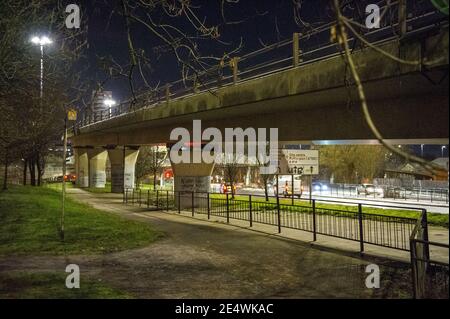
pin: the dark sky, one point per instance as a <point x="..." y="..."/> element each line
<point x="263" y="18"/>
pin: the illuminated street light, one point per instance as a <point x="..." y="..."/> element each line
<point x="421" y="149"/>
<point x="41" y="41"/>
<point x="442" y="150"/>
<point x="109" y="103"/>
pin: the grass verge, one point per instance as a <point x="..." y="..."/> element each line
<point x="51" y="285"/>
<point x="30" y="218"/>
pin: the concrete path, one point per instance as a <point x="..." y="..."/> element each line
<point x="202" y="259"/>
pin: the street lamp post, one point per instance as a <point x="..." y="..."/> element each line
<point x="41" y="41"/>
<point x="442" y="150"/>
<point x="109" y="103"/>
<point x="421" y="149"/>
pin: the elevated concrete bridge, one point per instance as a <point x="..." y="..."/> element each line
<point x="309" y="102"/>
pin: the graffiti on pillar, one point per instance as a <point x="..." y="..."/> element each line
<point x="117" y="182"/>
<point x="193" y="184"/>
<point x="98" y="179"/>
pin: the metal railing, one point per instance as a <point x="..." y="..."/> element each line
<point x="433" y="195"/>
<point x="429" y="277"/>
<point x="301" y="50"/>
<point x="317" y="218"/>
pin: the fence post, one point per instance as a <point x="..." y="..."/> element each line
<point x="148" y="199"/>
<point x="167" y="93"/>
<point x="234" y="64"/>
<point x="361" y="234"/>
<point x="295" y="49"/>
<point x="412" y="247"/>
<point x="179" y="202"/>
<point x="195" y="88"/>
<point x="124" y="196"/>
<point x="402" y="18"/>
<point x="157" y="199"/>
<point x="209" y="208"/>
<point x="228" y="209"/>
<point x="278" y="213"/>
<point x="193" y="208"/>
<point x="425" y="235"/>
<point x="140" y="197"/>
<point x="167" y="200"/>
<point x="250" y="209"/>
<point x="314" y="220"/>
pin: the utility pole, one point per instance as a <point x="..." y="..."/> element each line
<point x="70" y="115"/>
<point x="64" y="179"/>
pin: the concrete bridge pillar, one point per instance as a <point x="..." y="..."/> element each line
<point x="97" y="167"/>
<point x="123" y="162"/>
<point x="81" y="167"/>
<point x="192" y="177"/>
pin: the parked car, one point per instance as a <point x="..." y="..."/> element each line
<point x="369" y="189"/>
<point x="72" y="178"/>
<point x="395" y="192"/>
<point x="319" y="186"/>
<point x="225" y="188"/>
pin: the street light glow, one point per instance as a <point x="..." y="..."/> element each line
<point x="109" y="102"/>
<point x="44" y="40"/>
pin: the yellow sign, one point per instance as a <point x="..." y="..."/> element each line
<point x="72" y="115"/>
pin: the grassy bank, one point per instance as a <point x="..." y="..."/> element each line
<point x="51" y="285"/>
<point x="30" y="217"/>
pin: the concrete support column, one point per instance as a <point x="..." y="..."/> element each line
<point x="81" y="167"/>
<point x="97" y="167"/>
<point x="192" y="177"/>
<point x="248" y="175"/>
<point x="123" y="162"/>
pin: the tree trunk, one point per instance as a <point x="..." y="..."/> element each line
<point x="154" y="180"/>
<point x="5" y="181"/>
<point x="39" y="169"/>
<point x="32" y="168"/>
<point x="266" y="191"/>
<point x="25" y="168"/>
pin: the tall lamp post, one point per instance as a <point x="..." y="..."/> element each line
<point x="109" y="103"/>
<point x="442" y="150"/>
<point x="41" y="41"/>
<point x="421" y="149"/>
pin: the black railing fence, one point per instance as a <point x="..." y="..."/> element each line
<point x="429" y="277"/>
<point x="344" y="223"/>
<point x="433" y="195"/>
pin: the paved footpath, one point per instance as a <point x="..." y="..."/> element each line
<point x="203" y="259"/>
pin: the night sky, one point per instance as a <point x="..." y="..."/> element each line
<point x="266" y="21"/>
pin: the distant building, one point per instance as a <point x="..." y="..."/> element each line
<point x="415" y="171"/>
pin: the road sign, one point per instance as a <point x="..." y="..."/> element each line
<point x="299" y="162"/>
<point x="71" y="115"/>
